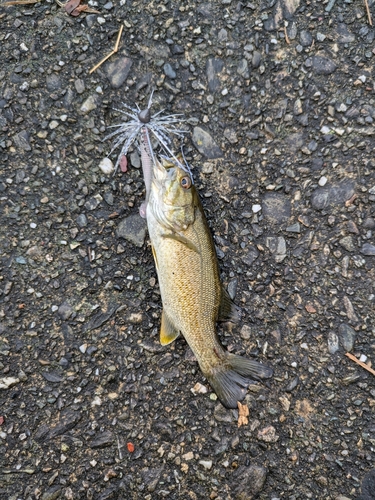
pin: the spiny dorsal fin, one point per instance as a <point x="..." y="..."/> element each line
<point x="228" y="310"/>
<point x="168" y="332"/>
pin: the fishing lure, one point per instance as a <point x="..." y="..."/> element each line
<point x="140" y="128"/>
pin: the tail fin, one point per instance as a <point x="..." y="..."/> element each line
<point x="231" y="379"/>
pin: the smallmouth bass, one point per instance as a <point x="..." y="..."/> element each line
<point x="188" y="272"/>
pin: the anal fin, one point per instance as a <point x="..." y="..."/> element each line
<point x="168" y="332"/>
<point x="228" y="310"/>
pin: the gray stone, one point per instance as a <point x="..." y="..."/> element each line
<point x="305" y="38"/>
<point x="222" y="36"/>
<point x="135" y="159"/>
<point x="169" y="71"/>
<point x="89" y="104"/>
<point x="292" y="30"/>
<point x="249" y="482"/>
<point x="251" y="255"/>
<point x="53" y="82"/>
<point x="65" y="310"/>
<point x="231" y="135"/>
<point x="205" y="144"/>
<point x="79" y="85"/>
<point x="343" y="35"/>
<point x="108" y="197"/>
<point x="295" y="141"/>
<point x="243" y="68"/>
<point x="52" y="493"/>
<point x="369" y="223"/>
<point x="151" y="477"/>
<point x="367" y="249"/>
<point x="213" y="68"/>
<point x="333" y="343"/>
<point x="347" y="243"/>
<point x="81" y="220"/>
<point x="222" y="414"/>
<point x="132" y="229"/>
<point x="277" y="246"/>
<point x="368" y="486"/>
<point x="257" y="59"/>
<point x="276" y="208"/>
<point x="53" y="377"/>
<point x="347" y="336"/>
<point x="284" y="9"/>
<point x="333" y="195"/>
<point x="232" y="288"/>
<point x="294" y="228"/>
<point x="91" y="203"/>
<point x="117" y="71"/>
<point x="21" y="140"/>
<point x="102" y="440"/>
<point x="323" y="65"/>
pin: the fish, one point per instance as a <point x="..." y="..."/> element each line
<point x="192" y="295"/>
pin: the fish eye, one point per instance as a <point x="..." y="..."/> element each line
<point x="185" y="182"/>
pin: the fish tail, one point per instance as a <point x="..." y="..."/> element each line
<point x="231" y="378"/>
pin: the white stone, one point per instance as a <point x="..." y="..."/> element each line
<point x="325" y="130"/>
<point x="207" y="464"/>
<point x="322" y="181"/>
<point x="256" y="208"/>
<point x="106" y="166"/>
<point x="83" y="348"/>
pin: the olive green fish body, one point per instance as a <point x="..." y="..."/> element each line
<point x="188" y="273"/>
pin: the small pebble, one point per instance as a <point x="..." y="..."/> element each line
<point x="106" y="166"/>
<point x="322" y="181"/>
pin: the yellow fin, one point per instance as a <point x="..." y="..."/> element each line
<point x="168" y="332"/>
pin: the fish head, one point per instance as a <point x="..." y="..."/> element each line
<point x="174" y="197"/>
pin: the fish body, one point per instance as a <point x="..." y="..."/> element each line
<point x="192" y="295"/>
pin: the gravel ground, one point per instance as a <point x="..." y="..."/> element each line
<point x="280" y="104"/>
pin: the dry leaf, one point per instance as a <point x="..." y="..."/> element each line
<point x="243" y="413"/>
<point x="71" y="6"/>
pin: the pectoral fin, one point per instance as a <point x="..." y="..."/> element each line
<point x="228" y="310"/>
<point x="182" y="239"/>
<point x="154" y="254"/>
<point x="168" y="332"/>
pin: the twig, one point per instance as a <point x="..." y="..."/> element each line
<point x="115" y="49"/>
<point x="353" y="358"/>
<point x="118" y="39"/>
<point x="368" y="13"/>
<point x="18" y="2"/>
<point x="286" y="36"/>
